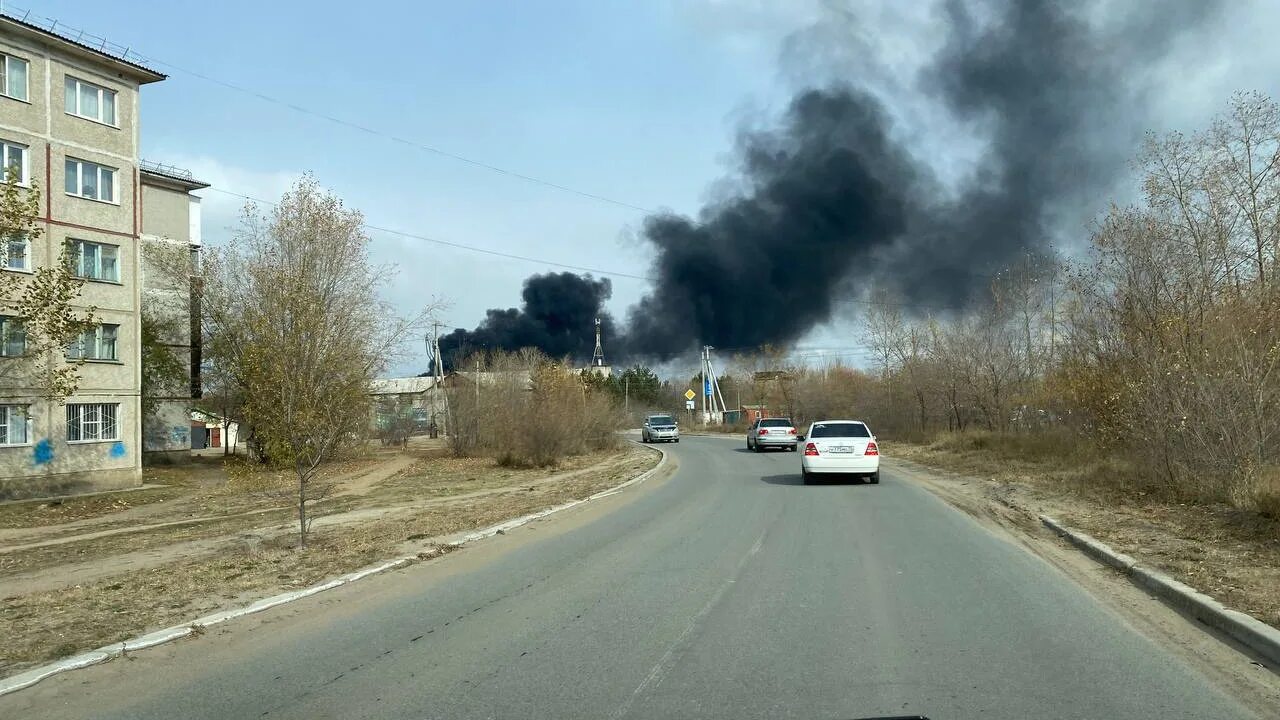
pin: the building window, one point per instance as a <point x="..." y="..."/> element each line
<point x="14" y="420"/>
<point x="95" y="261"/>
<point x="13" y="337"/>
<point x="14" y="156"/>
<point x="92" y="421"/>
<point x="13" y="77"/>
<point x="90" y="180"/>
<point x="97" y="343"/>
<point x="16" y="255"/>
<point x="91" y="101"/>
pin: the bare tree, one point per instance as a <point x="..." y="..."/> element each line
<point x="1175" y="327"/>
<point x="293" y="303"/>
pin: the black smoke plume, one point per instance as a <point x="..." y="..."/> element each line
<point x="558" y="317"/>
<point x="833" y="199"/>
<point x="825" y="190"/>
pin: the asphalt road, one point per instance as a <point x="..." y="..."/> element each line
<point x="729" y="590"/>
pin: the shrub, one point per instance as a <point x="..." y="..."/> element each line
<point x="525" y="410"/>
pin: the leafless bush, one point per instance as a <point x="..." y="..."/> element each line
<point x="1175" y="333"/>
<point x="1162" y="346"/>
<point x="525" y="410"/>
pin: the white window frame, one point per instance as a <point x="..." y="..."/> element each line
<point x="95" y="274"/>
<point x="15" y="416"/>
<point x="9" y="327"/>
<point x="102" y="92"/>
<point x="93" y="422"/>
<point x="6" y="89"/>
<point x="89" y="345"/>
<point x="80" y="166"/>
<point x="6" y="249"/>
<point x="7" y="149"/>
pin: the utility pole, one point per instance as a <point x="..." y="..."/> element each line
<point x="626" y="394"/>
<point x="715" y="384"/>
<point x="438" y="374"/>
<point x="1053" y="308"/>
<point x="703" y="390"/>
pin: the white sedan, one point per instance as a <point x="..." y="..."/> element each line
<point x="840" y="447"/>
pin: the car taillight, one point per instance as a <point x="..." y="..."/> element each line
<point x="872" y="449"/>
<point x="792" y="431"/>
<point x="810" y="449"/>
<point x="763" y="432"/>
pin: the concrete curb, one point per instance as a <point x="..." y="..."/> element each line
<point x="24" y="680"/>
<point x="1245" y="629"/>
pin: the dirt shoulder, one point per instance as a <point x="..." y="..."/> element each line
<point x="202" y="568"/>
<point x="1229" y="554"/>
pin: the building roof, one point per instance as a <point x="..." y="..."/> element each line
<point x="401" y="386"/>
<point x="76" y="42"/>
<point x="207" y="417"/>
<point x="168" y="176"/>
<point x="524" y="377"/>
<point x="765" y="375"/>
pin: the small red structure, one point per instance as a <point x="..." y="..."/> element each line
<point x="750" y="413"/>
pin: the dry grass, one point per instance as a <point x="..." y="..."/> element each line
<point x="1229" y="553"/>
<point x="44" y="626"/>
<point x="39" y="513"/>
<point x="444" y="475"/>
<point x="1057" y="461"/>
<point x="24" y="561"/>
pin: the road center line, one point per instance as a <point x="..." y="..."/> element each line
<point x="664" y="663"/>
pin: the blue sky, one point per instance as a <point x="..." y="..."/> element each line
<point x="634" y="101"/>
<point x="637" y="101"/>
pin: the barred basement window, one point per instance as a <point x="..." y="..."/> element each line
<point x="92" y="421"/>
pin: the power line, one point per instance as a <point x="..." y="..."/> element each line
<point x="460" y="246"/>
<point x="133" y="56"/>
<point x="396" y="138"/>
<point x="52" y="25"/>
<point x="579" y="268"/>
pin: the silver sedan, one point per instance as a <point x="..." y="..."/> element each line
<point x="772" y="432"/>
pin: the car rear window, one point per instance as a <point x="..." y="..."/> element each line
<point x="661" y="420"/>
<point x="775" y="422"/>
<point x="831" y="430"/>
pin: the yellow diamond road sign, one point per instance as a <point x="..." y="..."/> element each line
<point x="689" y="395"/>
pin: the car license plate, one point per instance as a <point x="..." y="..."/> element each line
<point x="840" y="449"/>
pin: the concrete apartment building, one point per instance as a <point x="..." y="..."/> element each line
<point x="69" y="119"/>
<point x="170" y="235"/>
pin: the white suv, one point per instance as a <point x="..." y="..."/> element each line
<point x="840" y="447"/>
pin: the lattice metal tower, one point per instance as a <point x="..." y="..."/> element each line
<point x="597" y="359"/>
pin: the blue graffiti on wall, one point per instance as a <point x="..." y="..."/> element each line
<point x="42" y="453"/>
<point x="117" y="449"/>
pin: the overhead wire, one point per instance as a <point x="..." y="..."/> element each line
<point x="556" y="263"/>
<point x="150" y="60"/>
<point x="398" y="139"/>
<point x="462" y="246"/>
